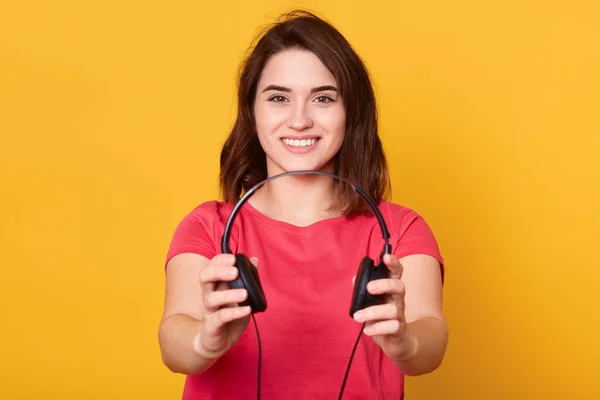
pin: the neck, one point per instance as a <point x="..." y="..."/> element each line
<point x="299" y="200"/>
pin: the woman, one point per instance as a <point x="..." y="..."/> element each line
<point x="305" y="102"/>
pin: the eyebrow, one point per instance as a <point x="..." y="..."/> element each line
<point x="313" y="90"/>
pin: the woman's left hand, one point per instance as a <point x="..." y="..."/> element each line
<point x="386" y="322"/>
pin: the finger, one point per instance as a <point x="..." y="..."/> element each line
<point x="353" y="280"/>
<point x="394" y="287"/>
<point x="212" y="278"/>
<point x="219" y="319"/>
<point x="380" y="312"/>
<point x="225" y="259"/>
<point x="217" y="299"/>
<point x="388" y="327"/>
<point x="213" y="273"/>
<point x="218" y="260"/>
<point x="393" y="264"/>
<point x="254" y="261"/>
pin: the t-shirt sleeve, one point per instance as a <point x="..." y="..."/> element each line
<point x="416" y="237"/>
<point x="195" y="233"/>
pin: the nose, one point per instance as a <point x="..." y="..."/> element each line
<point x="299" y="118"/>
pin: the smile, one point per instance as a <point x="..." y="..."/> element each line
<point x="300" y="142"/>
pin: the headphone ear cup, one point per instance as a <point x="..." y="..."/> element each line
<point x="248" y="279"/>
<point x="367" y="272"/>
<point x="359" y="293"/>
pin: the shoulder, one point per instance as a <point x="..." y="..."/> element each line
<point x="200" y="229"/>
<point x="399" y="217"/>
<point x="409" y="231"/>
<point x="209" y="212"/>
<point x="206" y="219"/>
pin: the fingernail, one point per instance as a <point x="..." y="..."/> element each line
<point x="359" y="315"/>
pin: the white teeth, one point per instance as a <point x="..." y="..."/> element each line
<point x="299" y="143"/>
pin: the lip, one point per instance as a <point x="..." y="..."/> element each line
<point x="304" y="137"/>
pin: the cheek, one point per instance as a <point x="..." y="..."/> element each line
<point x="337" y="124"/>
<point x="267" y="120"/>
<point x="259" y="119"/>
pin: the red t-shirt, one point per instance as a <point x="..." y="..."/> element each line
<point x="307" y="334"/>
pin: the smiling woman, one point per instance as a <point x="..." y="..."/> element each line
<point x="303" y="80"/>
<point x="305" y="102"/>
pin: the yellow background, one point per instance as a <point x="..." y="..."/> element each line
<point x="112" y="114"/>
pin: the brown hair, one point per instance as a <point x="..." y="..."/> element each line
<point x="360" y="159"/>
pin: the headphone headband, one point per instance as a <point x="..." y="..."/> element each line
<point x="387" y="249"/>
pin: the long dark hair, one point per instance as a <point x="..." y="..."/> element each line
<point x="360" y="159"/>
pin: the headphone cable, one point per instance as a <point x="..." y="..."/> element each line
<point x="347" y="368"/>
<point x="350" y="361"/>
<point x="259" y="357"/>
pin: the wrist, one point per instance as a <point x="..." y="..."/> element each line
<point x="409" y="350"/>
<point x="422" y="347"/>
<point x="201" y="351"/>
<point x="413" y="349"/>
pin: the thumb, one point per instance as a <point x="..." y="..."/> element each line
<point x="254" y="261"/>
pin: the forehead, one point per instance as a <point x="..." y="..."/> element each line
<point x="296" y="68"/>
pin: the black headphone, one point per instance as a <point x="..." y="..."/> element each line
<point x="248" y="275"/>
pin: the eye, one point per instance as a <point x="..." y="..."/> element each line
<point x="324" y="99"/>
<point x="277" y="98"/>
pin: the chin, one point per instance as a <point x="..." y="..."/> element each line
<point x="288" y="166"/>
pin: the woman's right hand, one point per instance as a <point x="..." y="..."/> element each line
<point x="223" y="320"/>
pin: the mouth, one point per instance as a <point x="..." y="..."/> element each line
<point x="300" y="142"/>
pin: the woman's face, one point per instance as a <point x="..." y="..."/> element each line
<point x="299" y="113"/>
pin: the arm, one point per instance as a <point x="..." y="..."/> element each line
<point x="424" y="314"/>
<point x="182" y="317"/>
<point x="409" y="325"/>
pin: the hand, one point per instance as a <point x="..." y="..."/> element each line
<point x="386" y="322"/>
<point x="224" y="320"/>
